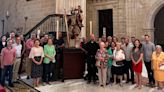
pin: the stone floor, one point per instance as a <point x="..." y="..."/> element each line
<point x="79" y="85"/>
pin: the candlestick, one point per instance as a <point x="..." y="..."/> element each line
<point x="7" y="15"/>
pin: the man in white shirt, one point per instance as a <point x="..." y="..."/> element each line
<point x="18" y="47"/>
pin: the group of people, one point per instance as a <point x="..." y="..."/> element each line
<point x="114" y="61"/>
<point x="109" y="60"/>
<point x="36" y="58"/>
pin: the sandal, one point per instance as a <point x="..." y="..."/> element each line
<point x="121" y="85"/>
<point x="136" y="86"/>
<point x="139" y="87"/>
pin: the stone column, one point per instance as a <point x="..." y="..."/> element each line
<point x="83" y="6"/>
<point x="121" y="19"/>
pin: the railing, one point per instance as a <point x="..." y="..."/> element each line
<point x="48" y="24"/>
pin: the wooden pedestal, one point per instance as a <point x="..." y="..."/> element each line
<point x="74" y="64"/>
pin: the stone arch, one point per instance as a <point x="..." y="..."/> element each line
<point x="152" y="12"/>
<point x="149" y="19"/>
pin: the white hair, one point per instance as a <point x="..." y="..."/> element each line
<point x="158" y="46"/>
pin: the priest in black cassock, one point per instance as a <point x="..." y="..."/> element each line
<point x="91" y="47"/>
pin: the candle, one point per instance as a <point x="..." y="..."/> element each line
<point x="90" y="24"/>
<point x="104" y="31"/>
<point x="57" y="29"/>
<point x="38" y="34"/>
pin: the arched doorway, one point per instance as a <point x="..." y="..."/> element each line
<point x="159" y="27"/>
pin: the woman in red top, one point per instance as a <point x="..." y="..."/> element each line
<point x="137" y="56"/>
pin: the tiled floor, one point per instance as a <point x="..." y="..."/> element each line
<point x="81" y="86"/>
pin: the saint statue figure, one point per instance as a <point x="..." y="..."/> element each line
<point x="75" y="22"/>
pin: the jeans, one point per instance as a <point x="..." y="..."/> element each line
<point x="46" y="72"/>
<point x="1" y="76"/>
<point x="8" y="70"/>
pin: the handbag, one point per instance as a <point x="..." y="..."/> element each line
<point x="161" y="67"/>
<point x="120" y="62"/>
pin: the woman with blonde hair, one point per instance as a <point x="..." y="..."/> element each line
<point x="158" y="66"/>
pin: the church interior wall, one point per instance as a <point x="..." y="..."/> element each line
<point x="130" y="17"/>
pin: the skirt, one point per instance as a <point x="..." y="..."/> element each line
<point x="137" y="68"/>
<point x="158" y="75"/>
<point x="36" y="70"/>
<point x="117" y="70"/>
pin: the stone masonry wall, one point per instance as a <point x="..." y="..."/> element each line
<point x="130" y="17"/>
<point x="35" y="10"/>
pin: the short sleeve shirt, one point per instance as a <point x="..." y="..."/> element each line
<point x="136" y="54"/>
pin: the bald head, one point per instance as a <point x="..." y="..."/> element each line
<point x="102" y="45"/>
<point x="92" y="36"/>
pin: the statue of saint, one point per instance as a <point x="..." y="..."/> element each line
<point x="75" y="22"/>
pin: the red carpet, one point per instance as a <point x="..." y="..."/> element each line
<point x="2" y="89"/>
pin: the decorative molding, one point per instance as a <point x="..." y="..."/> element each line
<point x="105" y="3"/>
